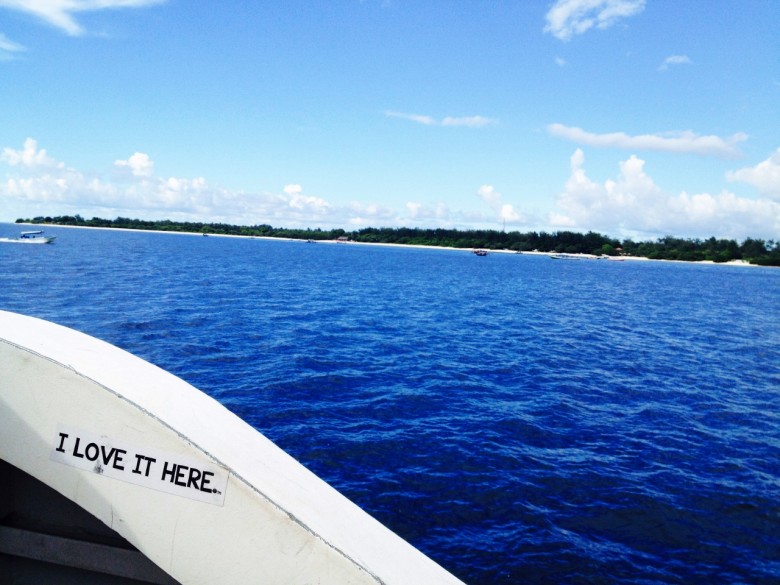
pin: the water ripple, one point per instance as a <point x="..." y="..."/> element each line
<point x="518" y="419"/>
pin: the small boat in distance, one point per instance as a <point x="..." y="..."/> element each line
<point x="481" y="252"/>
<point x="561" y="256"/>
<point x="30" y="237"/>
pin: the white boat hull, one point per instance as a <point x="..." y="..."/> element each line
<point x="43" y="240"/>
<point x="198" y="491"/>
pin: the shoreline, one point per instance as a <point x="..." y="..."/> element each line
<point x="413" y="246"/>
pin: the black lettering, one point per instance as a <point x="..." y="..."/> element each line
<point x="205" y="482"/>
<point x="93" y="449"/>
<point x="180" y="473"/>
<point x="76" y="449"/>
<point x="114" y="454"/>
<point x="192" y="481"/>
<point x="107" y="456"/>
<point x="149" y="461"/>
<point x="171" y="471"/>
<point x="63" y="436"/>
<point x="138" y="459"/>
<point x="118" y="457"/>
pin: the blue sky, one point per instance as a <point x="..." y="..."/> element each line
<point x="634" y="118"/>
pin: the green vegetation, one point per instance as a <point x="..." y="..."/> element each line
<point x="755" y="251"/>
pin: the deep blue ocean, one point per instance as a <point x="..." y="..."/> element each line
<point x="517" y="418"/>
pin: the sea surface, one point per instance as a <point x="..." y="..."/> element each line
<point x="517" y="418"/>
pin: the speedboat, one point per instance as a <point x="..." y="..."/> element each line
<point x="30" y="237"/>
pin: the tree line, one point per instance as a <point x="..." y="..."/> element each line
<point x="753" y="250"/>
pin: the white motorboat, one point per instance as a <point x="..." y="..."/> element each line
<point x="111" y="466"/>
<point x="30" y="237"/>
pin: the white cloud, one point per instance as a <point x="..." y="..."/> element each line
<point x="371" y="215"/>
<point x="8" y="48"/>
<point x="468" y="121"/>
<point x="489" y="195"/>
<point x="505" y="212"/>
<point x="508" y="213"/>
<point x="140" y="165"/>
<point x="295" y="204"/>
<point x="418" y="211"/>
<point x="420" y="119"/>
<point x="307" y="204"/>
<point x="39" y="179"/>
<point x="37" y="184"/>
<point x="567" y="18"/>
<point x="29" y="156"/>
<point x="765" y="176"/>
<point x="674" y="60"/>
<point x="633" y="203"/>
<point x="682" y="142"/>
<point x="292" y="189"/>
<point x="371" y="210"/>
<point x="34" y="183"/>
<point x="61" y="13"/>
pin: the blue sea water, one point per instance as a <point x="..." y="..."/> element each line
<point x="520" y="420"/>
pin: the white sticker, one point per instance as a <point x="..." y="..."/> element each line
<point x="148" y="467"/>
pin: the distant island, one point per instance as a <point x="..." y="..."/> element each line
<point x="752" y="250"/>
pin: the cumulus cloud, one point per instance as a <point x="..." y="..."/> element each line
<point x="681" y="142"/>
<point x="567" y="18"/>
<point x="293" y="189"/>
<point x="489" y="195"/>
<point x="505" y="212"/>
<point x="765" y="176"/>
<point x="37" y="183"/>
<point x="307" y="204"/>
<point x="29" y="156"/>
<point x="41" y="179"/>
<point x="419" y="211"/>
<point x="634" y="203"/>
<point x="467" y="121"/>
<point x="61" y="13"/>
<point x="32" y="182"/>
<point x="140" y="165"/>
<point x="370" y="214"/>
<point x="674" y="60"/>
